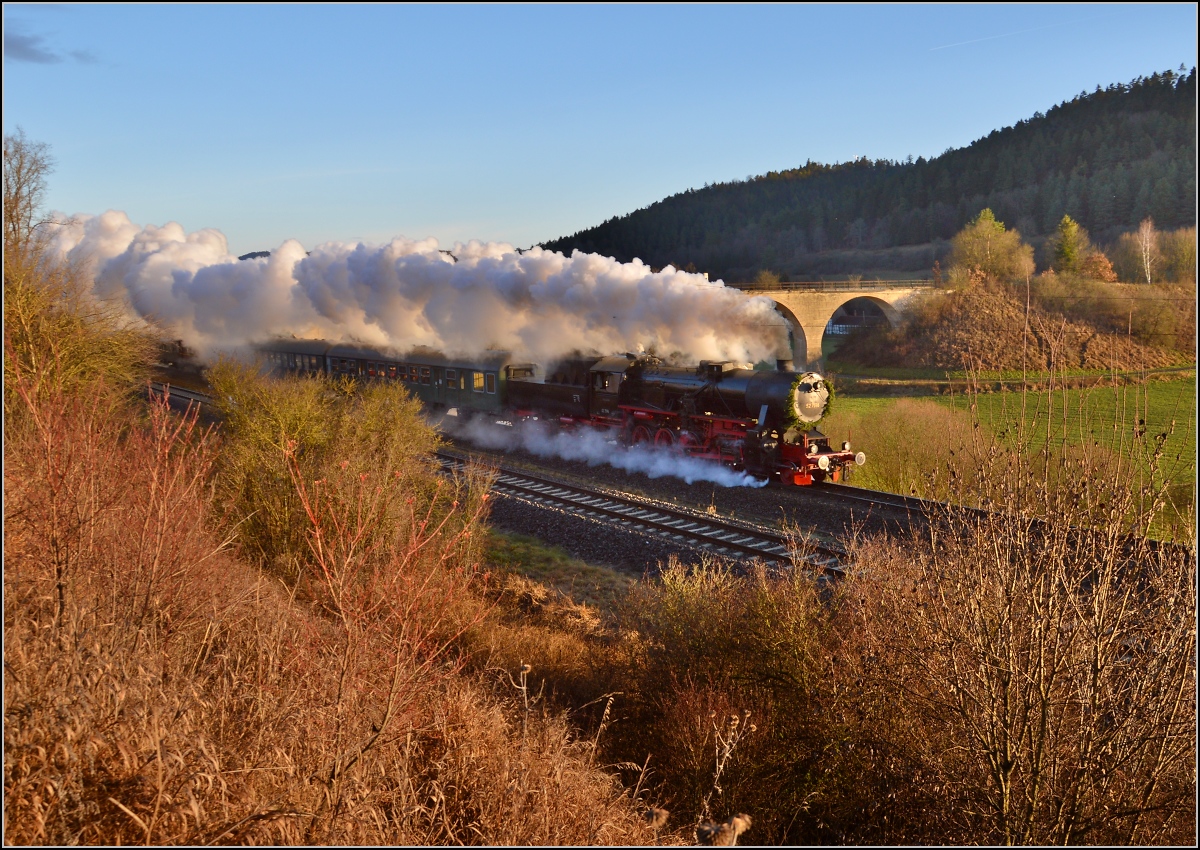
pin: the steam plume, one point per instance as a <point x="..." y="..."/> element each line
<point x="538" y="304"/>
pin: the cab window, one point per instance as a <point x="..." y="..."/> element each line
<point x="607" y="382"/>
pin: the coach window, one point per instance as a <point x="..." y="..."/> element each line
<point x="425" y="375"/>
<point x="478" y="381"/>
<point x="491" y="382"/>
<point x="452" y="379"/>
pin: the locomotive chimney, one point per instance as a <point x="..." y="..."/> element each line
<point x="784" y="365"/>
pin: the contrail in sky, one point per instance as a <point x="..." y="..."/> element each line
<point x="1018" y="32"/>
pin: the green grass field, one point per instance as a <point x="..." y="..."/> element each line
<point x="1105" y="414"/>
<point x="1075" y="417"/>
<point x="1078" y="415"/>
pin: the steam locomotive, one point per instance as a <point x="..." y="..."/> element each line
<point x="762" y="422"/>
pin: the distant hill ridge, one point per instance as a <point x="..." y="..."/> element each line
<point x="1108" y="158"/>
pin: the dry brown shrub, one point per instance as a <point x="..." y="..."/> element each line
<point x="1046" y="680"/>
<point x="159" y="691"/>
<point x="706" y="645"/>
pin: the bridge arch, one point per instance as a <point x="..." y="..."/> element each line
<point x="797" y="339"/>
<point x="809" y="310"/>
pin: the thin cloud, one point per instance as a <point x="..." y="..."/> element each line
<point x="22" y="47"/>
<point x="28" y="48"/>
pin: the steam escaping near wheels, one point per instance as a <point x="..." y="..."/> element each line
<point x="599" y="448"/>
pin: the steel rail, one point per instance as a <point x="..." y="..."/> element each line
<point x="712" y="534"/>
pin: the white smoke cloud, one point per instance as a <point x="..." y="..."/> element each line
<point x="537" y="304"/>
<point x="597" y="448"/>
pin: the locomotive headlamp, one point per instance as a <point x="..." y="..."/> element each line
<point x="823" y="462"/>
<point x="846" y="446"/>
<point x="860" y="458"/>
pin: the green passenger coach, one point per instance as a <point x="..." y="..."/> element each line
<point x="438" y="381"/>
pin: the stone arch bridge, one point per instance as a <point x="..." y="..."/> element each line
<point x="808" y="307"/>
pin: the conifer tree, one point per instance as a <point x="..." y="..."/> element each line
<point x="1071" y="246"/>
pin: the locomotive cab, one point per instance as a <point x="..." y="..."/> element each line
<point x="607" y="375"/>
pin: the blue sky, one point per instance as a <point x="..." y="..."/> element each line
<point x="521" y="123"/>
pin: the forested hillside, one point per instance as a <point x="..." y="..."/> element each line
<point x="1108" y="159"/>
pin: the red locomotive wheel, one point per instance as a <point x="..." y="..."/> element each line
<point x="664" y="438"/>
<point x="640" y="434"/>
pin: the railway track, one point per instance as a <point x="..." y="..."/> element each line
<point x="873" y="499"/>
<point x="716" y="535"/>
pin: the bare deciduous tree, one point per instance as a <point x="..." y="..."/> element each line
<point x="26" y="166"/>
<point x="1147" y="240"/>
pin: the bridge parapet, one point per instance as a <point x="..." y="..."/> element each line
<point x="835" y="285"/>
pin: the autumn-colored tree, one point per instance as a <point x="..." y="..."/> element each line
<point x="1179" y="254"/>
<point x="1096" y="266"/>
<point x="985" y="247"/>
